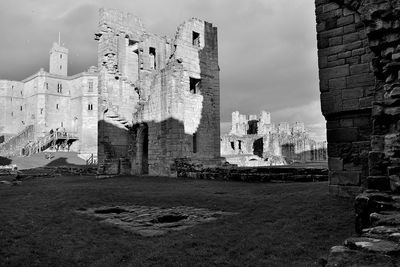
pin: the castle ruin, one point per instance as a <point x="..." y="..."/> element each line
<point x="256" y="141"/>
<point x="158" y="96"/>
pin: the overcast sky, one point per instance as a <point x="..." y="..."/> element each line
<point x="267" y="48"/>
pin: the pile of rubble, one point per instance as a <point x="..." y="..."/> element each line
<point x="378" y="226"/>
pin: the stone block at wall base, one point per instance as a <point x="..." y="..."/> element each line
<point x="346" y="178"/>
<point x="381" y="183"/>
<point x="345" y="191"/>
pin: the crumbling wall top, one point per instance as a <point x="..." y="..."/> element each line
<point x="119" y="20"/>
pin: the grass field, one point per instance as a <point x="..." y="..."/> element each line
<point x="291" y="224"/>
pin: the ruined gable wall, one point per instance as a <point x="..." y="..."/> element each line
<point x="347" y="84"/>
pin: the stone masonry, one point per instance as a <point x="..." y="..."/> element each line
<point x="359" y="61"/>
<point x="45" y="101"/>
<point x="256" y="141"/>
<point x="158" y="96"/>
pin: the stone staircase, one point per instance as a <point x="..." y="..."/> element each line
<point x="47" y="141"/>
<point x="112" y="116"/>
<point x="13" y="145"/>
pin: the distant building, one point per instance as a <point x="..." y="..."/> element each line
<point x="255" y="141"/>
<point x="45" y="101"/>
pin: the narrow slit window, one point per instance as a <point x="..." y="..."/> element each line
<point x="152" y="53"/>
<point x="195" y="143"/>
<point x="90" y="106"/>
<point x="20" y="108"/>
<point x="196" y="39"/>
<point x="233" y="145"/>
<point x="56" y="106"/>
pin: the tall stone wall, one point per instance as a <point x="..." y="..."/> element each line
<point x="358" y="49"/>
<point x="159" y="96"/>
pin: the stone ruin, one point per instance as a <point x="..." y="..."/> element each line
<point x="359" y="63"/>
<point x="255" y="141"/>
<point x="158" y="96"/>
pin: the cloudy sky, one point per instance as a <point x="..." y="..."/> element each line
<point x="267" y="48"/>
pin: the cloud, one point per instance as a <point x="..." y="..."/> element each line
<point x="267" y="49"/>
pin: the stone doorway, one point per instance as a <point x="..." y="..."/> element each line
<point x="142" y="140"/>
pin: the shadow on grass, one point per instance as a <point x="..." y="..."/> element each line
<point x="5" y="161"/>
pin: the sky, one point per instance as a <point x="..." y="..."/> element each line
<point x="267" y="48"/>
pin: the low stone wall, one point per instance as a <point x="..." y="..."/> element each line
<point x="186" y="169"/>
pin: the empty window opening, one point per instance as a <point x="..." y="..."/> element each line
<point x="253" y="127"/>
<point x="20" y="108"/>
<point x="196" y="39"/>
<point x="62" y="124"/>
<point x="90" y="107"/>
<point x="56" y="106"/>
<point x="233" y="145"/>
<point x="46" y="85"/>
<point x="194" y="85"/>
<point x="60" y="55"/>
<point x="90" y="86"/>
<point x="152" y="53"/>
<point x="195" y="143"/>
<point x="41" y="111"/>
<point x="12" y="114"/>
<point x="240" y="144"/>
<point x="60" y="67"/>
<point x="258" y="147"/>
<point x="21" y="93"/>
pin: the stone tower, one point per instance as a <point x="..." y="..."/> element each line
<point x="158" y="96"/>
<point x="58" y="60"/>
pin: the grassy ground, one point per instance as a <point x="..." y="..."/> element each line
<point x="277" y="225"/>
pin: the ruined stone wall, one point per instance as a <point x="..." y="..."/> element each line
<point x="280" y="146"/>
<point x="361" y="124"/>
<point x="156" y="116"/>
<point x="347" y="84"/>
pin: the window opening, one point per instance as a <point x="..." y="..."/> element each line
<point x="194" y="85"/>
<point x="152" y="52"/>
<point x="195" y="143"/>
<point x="196" y="39"/>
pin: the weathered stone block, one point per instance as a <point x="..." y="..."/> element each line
<point x="335" y="72"/>
<point x="360" y="68"/>
<point x="335" y="164"/>
<point x="381" y="183"/>
<point x="342" y="135"/>
<point x="344" y="178"/>
<point x="352" y="93"/>
<point x="337" y="83"/>
<point x="360" y="80"/>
